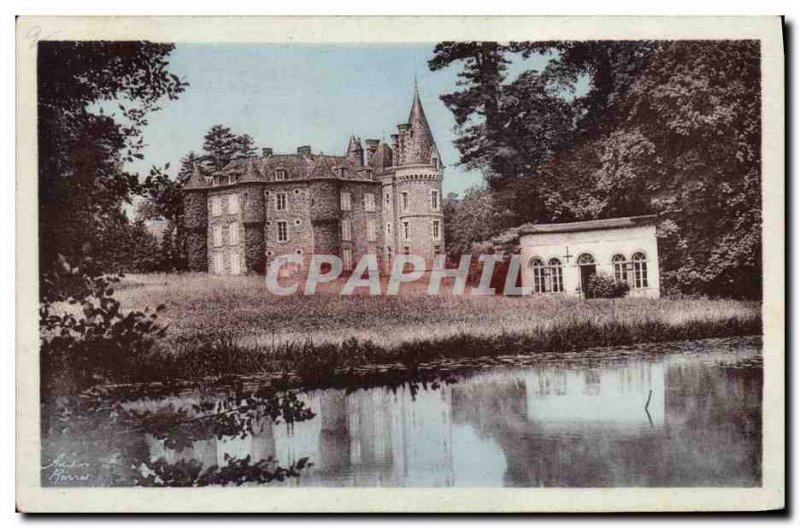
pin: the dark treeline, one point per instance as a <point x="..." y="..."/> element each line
<point x="83" y="146"/>
<point x="671" y="128"/>
<point x="94" y="98"/>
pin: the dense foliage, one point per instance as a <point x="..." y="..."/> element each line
<point x="83" y="145"/>
<point x="671" y="128"/>
<point x="80" y="348"/>
<point x="604" y="287"/>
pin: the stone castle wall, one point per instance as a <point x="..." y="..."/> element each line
<point x="314" y="219"/>
<point x="417" y="183"/>
<point x="296" y="215"/>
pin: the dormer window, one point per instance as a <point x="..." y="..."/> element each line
<point x="341" y="172"/>
<point x="435" y="161"/>
<point x="280" y="174"/>
<point x="368" y="174"/>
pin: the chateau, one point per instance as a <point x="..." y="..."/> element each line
<point x="377" y="198"/>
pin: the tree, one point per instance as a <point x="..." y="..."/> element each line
<point x="671" y="128"/>
<point x="82" y="185"/>
<point x="469" y="220"/>
<point x="188" y="163"/>
<point x="504" y="129"/>
<point x="475" y="106"/>
<point x="221" y="146"/>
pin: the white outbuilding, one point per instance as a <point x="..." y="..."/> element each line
<point x="561" y="258"/>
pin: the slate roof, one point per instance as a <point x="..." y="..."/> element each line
<point x="589" y="225"/>
<point x="420" y="145"/>
<point x="297" y="167"/>
<point x="382" y="157"/>
<point x="196" y="180"/>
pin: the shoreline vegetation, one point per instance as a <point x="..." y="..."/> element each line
<point x="224" y="327"/>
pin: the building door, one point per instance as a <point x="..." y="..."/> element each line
<point x="588" y="269"/>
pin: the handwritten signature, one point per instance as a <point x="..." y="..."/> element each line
<point x="64" y="470"/>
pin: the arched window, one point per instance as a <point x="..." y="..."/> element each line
<point x="585" y="260"/>
<point x="539" y="275"/>
<point x="639" y="270"/>
<point x="556" y="277"/>
<point x="620" y="268"/>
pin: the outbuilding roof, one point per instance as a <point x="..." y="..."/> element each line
<point x="588" y="225"/>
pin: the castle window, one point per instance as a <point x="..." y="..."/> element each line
<point x="371" y="231"/>
<point x="216" y="206"/>
<point x="404" y="201"/>
<point x="541" y="279"/>
<point x="235" y="264"/>
<point x="639" y="270"/>
<point x="347" y="259"/>
<point x="388" y="229"/>
<point x="369" y="202"/>
<point x="435" y="200"/>
<point x="296" y="221"/>
<point x="280" y="202"/>
<point x="283" y="232"/>
<point x="280" y="174"/>
<point x="406" y="231"/>
<point x="556" y="275"/>
<point x="436" y="230"/>
<point x="620" y="268"/>
<point x="219" y="264"/>
<point x="346" y="230"/>
<point x="217" y="235"/>
<point x="388" y="199"/>
<point x="233" y="234"/>
<point x="346" y="201"/>
<point x="233" y="203"/>
<point x="368" y="174"/>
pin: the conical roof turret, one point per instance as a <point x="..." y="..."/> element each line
<point x="420" y="146"/>
<point x="196" y="180"/>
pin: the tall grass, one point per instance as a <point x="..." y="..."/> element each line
<point x="230" y="326"/>
<point x="204" y="306"/>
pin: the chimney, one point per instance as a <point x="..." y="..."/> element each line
<point x="305" y="150"/>
<point x="266" y="152"/>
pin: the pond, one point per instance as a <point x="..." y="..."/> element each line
<point x="677" y="414"/>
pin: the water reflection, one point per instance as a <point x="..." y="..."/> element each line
<point x="557" y="422"/>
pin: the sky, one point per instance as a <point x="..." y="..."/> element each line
<point x="285" y="96"/>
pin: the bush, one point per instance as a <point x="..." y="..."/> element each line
<point x="605" y="287"/>
<point x="80" y="350"/>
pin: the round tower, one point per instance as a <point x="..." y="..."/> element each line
<point x="418" y="188"/>
<point x="195" y="221"/>
<point x="325" y="216"/>
<point x="253" y="217"/>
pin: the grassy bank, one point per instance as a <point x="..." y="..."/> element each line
<point x="223" y="326"/>
<point x="240" y="308"/>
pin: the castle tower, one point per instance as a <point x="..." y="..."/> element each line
<point x="195" y="221"/>
<point x="253" y="217"/>
<point x="418" y="187"/>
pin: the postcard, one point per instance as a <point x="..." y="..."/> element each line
<point x="400" y="264"/>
